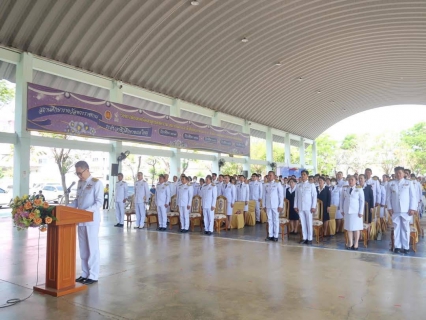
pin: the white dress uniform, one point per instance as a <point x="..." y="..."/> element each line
<point x="195" y="187"/>
<point x="419" y="193"/>
<point x="243" y="194"/>
<point x="120" y="196"/>
<point x="197" y="192"/>
<point x="90" y="197"/>
<point x="208" y="199"/>
<point x="142" y="195"/>
<point x="219" y="186"/>
<point x="173" y="188"/>
<point x="256" y="189"/>
<point x="162" y="197"/>
<point x="335" y="200"/>
<point x="383" y="188"/>
<point x="273" y="198"/>
<point x="305" y="199"/>
<point x="342" y="183"/>
<point x="401" y="197"/>
<point x="183" y="200"/>
<point x="228" y="191"/>
<point x="375" y="185"/>
<point x="352" y="204"/>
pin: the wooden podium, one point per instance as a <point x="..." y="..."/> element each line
<point x="61" y="252"/>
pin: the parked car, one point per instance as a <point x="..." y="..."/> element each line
<point x="53" y="193"/>
<point x="5" y="197"/>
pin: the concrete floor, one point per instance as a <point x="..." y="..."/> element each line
<point x="168" y="275"/>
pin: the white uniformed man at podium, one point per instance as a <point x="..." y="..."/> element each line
<point x="90" y="194"/>
<point x="120" y="200"/>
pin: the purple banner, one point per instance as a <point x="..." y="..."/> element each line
<point x="52" y="110"/>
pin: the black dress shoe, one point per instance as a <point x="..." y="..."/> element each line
<point x="353" y="248"/>
<point x="306" y="242"/>
<point x="405" y="251"/>
<point x="186" y="231"/>
<point x="397" y="250"/>
<point x="117" y="225"/>
<point x="181" y="230"/>
<point x="309" y="241"/>
<point x="302" y="241"/>
<point x="210" y="233"/>
<point x="206" y="232"/>
<point x="80" y="279"/>
<point x="276" y="239"/>
<point x="89" y="281"/>
<point x="348" y="248"/>
<point x="269" y="239"/>
<point x="121" y="225"/>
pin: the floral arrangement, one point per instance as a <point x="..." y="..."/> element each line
<point x="28" y="212"/>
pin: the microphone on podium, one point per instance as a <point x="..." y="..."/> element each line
<point x="69" y="188"/>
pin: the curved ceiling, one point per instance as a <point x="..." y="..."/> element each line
<point x="337" y="58"/>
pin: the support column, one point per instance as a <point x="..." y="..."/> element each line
<point x="175" y="165"/>
<point x="246" y="165"/>
<point x="217" y="123"/>
<point x="115" y="95"/>
<point x="287" y="149"/>
<point x="21" y="154"/>
<point x="314" y="157"/>
<point x="269" y="151"/>
<point x="302" y="153"/>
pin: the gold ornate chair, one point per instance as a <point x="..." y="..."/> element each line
<point x="220" y="214"/>
<point x="250" y="218"/>
<point x="237" y="218"/>
<point x="131" y="210"/>
<point x="332" y="223"/>
<point x="173" y="216"/>
<point x="196" y="213"/>
<point x="263" y="215"/>
<point x="152" y="214"/>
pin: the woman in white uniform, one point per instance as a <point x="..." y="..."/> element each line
<point x="352" y="207"/>
<point x="335" y="201"/>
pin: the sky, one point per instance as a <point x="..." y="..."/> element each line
<point x="392" y="118"/>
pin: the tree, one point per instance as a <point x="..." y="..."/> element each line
<point x="152" y="162"/>
<point x="185" y="165"/>
<point x="326" y="154"/>
<point x="7" y="93"/>
<point x="231" y="168"/>
<point x="387" y="151"/>
<point x="64" y="160"/>
<point x="415" y="139"/>
<point x="129" y="162"/>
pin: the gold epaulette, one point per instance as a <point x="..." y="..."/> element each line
<point x="359" y="187"/>
<point x="95" y="179"/>
<point x="375" y="179"/>
<point x="213" y="184"/>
